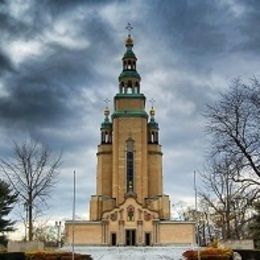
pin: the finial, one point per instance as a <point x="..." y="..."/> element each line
<point x="152" y="111"/>
<point x="106" y="110"/>
<point x="129" y="43"/>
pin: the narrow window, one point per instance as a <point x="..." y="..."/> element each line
<point x="152" y="137"/>
<point x="102" y="137"/>
<point x="130" y="165"/>
<point x="129" y="65"/>
<point x="106" y="137"/>
<point x="134" y="65"/>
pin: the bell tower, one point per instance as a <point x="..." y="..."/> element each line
<point x="129" y="207"/>
<point x="129" y="154"/>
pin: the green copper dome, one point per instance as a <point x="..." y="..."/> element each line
<point x="106" y="125"/>
<point x="129" y="54"/>
<point x="129" y="74"/>
<point x="153" y="124"/>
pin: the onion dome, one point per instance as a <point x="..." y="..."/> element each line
<point x="152" y="123"/>
<point x="106" y="123"/>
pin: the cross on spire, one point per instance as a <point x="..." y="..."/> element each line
<point x="152" y="101"/>
<point x="129" y="27"/>
<point x="107" y="101"/>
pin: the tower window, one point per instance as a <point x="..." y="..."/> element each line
<point x="130" y="165"/>
<point x="121" y="87"/>
<point x="129" y="66"/>
<point x="130" y="170"/>
<point x="106" y="137"/>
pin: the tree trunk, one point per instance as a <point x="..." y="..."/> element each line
<point x="228" y="235"/>
<point x="30" y="208"/>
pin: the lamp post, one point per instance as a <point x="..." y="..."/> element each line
<point x="58" y="226"/>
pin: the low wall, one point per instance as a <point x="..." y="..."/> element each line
<point x="238" y="244"/>
<point x="176" y="233"/>
<point x="20" y="246"/>
<point x="85" y="232"/>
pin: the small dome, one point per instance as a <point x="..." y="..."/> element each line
<point x="129" y="54"/>
<point x="129" y="74"/>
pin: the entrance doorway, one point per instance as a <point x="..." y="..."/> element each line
<point x="147" y="239"/>
<point x="113" y="239"/>
<point x="130" y="235"/>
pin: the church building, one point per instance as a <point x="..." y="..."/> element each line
<point x="129" y="207"/>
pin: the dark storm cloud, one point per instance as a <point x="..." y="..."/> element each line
<point x="46" y="88"/>
<point x="5" y="63"/>
<point x="248" y="25"/>
<point x="201" y="31"/>
<point x="193" y="26"/>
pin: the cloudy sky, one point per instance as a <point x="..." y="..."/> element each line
<point x="59" y="59"/>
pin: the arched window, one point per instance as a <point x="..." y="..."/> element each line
<point x="121" y="87"/>
<point x="129" y="65"/>
<point x="156" y="138"/>
<point x="152" y="137"/>
<point x="130" y="165"/>
<point x="106" y="137"/>
<point x="102" y="137"/>
<point x="136" y="87"/>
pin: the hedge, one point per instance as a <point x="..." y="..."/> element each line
<point x="209" y="253"/>
<point x="42" y="256"/>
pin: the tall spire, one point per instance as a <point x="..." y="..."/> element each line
<point x="153" y="127"/>
<point x="129" y="79"/>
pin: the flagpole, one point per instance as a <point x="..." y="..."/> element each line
<point x="196" y="212"/>
<point x="73" y="214"/>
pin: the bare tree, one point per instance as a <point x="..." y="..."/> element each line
<point x="32" y="172"/>
<point x="202" y="217"/>
<point x="233" y="122"/>
<point x="229" y="202"/>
